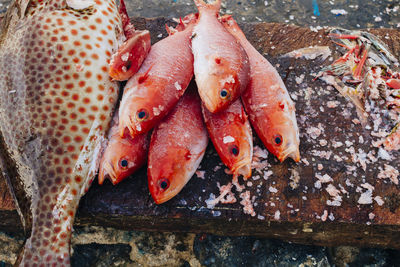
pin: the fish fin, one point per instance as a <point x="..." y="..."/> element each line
<point x="170" y="30"/>
<point x="144" y="77"/>
<point x="128" y="27"/>
<point x="100" y="177"/>
<point x="181" y="23"/>
<point x="225" y="18"/>
<point x="214" y="6"/>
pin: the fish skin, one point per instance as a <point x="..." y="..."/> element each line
<point x="229" y="130"/>
<point x="131" y="54"/>
<point x="220" y="62"/>
<point x="157" y="86"/>
<point x="56" y="104"/>
<point x="177" y="147"/>
<point x="266" y="100"/>
<point x="133" y="150"/>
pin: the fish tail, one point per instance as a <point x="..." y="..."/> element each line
<point x="231" y="25"/>
<point x="214" y="6"/>
<point x="128" y="27"/>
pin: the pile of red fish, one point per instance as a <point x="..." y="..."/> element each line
<point x="165" y="120"/>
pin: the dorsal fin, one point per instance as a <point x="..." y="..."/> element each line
<point x="144" y="77"/>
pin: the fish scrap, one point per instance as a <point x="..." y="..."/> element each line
<point x="364" y="75"/>
<point x="56" y="105"/>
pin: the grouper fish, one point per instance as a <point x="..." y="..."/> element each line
<point x="56" y="104"/>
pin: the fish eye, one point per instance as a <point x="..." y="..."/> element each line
<point x="164" y="183"/>
<point x="142" y="115"/>
<point x="235" y="150"/>
<point x="278" y="139"/>
<point x="224" y="94"/>
<point x="128" y="64"/>
<point x="123" y="163"/>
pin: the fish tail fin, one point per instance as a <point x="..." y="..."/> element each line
<point x="127" y="26"/>
<point x="170" y="30"/>
<point x="231" y="25"/>
<point x="214" y="6"/>
<point x="101" y="176"/>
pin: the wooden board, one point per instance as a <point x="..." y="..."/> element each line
<point x="289" y="204"/>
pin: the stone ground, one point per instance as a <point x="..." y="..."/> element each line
<point x="96" y="246"/>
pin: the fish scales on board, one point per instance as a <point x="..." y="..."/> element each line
<point x="270" y="109"/>
<point x="221" y="66"/>
<point x="160" y="82"/>
<point x="56" y="104"/>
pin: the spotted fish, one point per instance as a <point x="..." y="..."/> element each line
<point x="221" y="65"/>
<point x="56" y="102"/>
<point x="177" y="147"/>
<point x="266" y="100"/>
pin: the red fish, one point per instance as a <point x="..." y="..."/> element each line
<point x="157" y="86"/>
<point x="221" y="65"/>
<point x="122" y="156"/>
<point x="131" y="54"/>
<point x="266" y="100"/>
<point x="230" y="133"/>
<point x="177" y="147"/>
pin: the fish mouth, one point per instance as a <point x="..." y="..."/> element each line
<point x="107" y="172"/>
<point x="291" y="152"/>
<point x="243" y="168"/>
<point x="208" y="103"/>
<point x="117" y="75"/>
<point x="165" y="197"/>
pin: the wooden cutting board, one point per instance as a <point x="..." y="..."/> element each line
<point x="289" y="203"/>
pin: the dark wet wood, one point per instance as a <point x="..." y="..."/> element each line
<point x="300" y="204"/>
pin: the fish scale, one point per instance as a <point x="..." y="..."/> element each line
<point x="56" y="101"/>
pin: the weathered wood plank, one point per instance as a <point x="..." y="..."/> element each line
<point x="289" y="205"/>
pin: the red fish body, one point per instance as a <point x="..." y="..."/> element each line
<point x="157" y="86"/>
<point x="230" y="133"/>
<point x="267" y="102"/>
<point x="123" y="156"/>
<point x="131" y="54"/>
<point x="177" y="147"/>
<point x="220" y="64"/>
<point x="56" y="104"/>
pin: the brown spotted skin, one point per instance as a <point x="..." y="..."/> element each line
<point x="56" y="101"/>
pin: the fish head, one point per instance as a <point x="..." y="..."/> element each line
<point x="237" y="151"/>
<point x="136" y="114"/>
<point x="130" y="56"/>
<point x="169" y="180"/>
<point x="222" y="83"/>
<point x="283" y="136"/>
<point x="118" y="161"/>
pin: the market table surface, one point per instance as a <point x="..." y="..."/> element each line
<point x="288" y="202"/>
